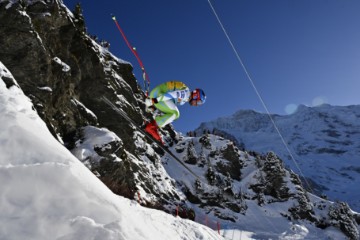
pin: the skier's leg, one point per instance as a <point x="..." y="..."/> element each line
<point x="170" y="110"/>
<point x="157" y="91"/>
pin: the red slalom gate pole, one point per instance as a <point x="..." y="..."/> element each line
<point x="133" y="50"/>
<point x="139" y="198"/>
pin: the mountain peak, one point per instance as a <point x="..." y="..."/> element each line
<point x="321" y="139"/>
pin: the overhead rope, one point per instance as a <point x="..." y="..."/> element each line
<point x="258" y="94"/>
<point x="133" y="50"/>
<point x="262" y="101"/>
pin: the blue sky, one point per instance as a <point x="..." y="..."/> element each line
<point x="297" y="52"/>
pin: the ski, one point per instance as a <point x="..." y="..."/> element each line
<point x="159" y="144"/>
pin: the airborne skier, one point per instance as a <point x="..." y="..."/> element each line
<point x="165" y="98"/>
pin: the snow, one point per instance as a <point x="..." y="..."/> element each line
<point x="65" y="67"/>
<point x="94" y="137"/>
<point x="81" y="106"/>
<point x="46" y="89"/>
<point x="9" y="5"/>
<point x="46" y="191"/>
<point x="105" y="54"/>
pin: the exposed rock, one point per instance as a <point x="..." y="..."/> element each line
<point x="342" y="216"/>
<point x="65" y="73"/>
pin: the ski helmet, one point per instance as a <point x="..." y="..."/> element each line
<point x="199" y="96"/>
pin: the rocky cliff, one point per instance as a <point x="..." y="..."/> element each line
<point x="65" y="72"/>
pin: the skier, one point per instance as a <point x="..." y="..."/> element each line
<point x="165" y="98"/>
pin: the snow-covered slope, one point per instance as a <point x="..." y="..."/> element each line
<point x="46" y="193"/>
<point x="324" y="142"/>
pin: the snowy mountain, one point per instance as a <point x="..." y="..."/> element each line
<point x="323" y="143"/>
<point x="73" y="168"/>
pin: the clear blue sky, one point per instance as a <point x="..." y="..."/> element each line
<point x="296" y="51"/>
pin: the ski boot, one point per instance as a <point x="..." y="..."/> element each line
<point x="152" y="129"/>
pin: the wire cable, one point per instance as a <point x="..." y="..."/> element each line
<point x="258" y="94"/>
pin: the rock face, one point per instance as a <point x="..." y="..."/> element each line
<point x="65" y="73"/>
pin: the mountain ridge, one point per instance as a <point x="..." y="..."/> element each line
<point x="316" y="136"/>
